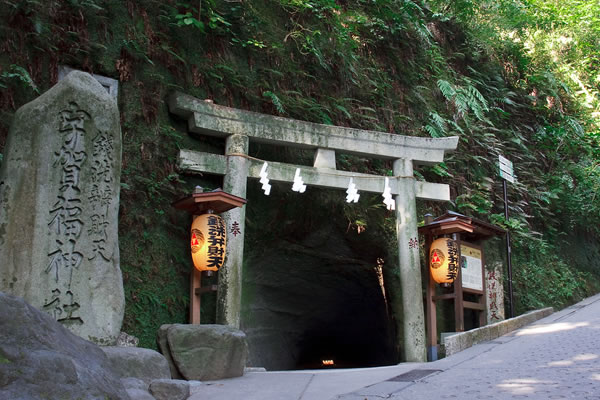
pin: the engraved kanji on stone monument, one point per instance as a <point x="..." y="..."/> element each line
<point x="495" y="294"/>
<point x="59" y="199"/>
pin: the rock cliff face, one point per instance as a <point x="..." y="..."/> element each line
<point x="315" y="299"/>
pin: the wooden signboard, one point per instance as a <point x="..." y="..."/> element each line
<point x="470" y="280"/>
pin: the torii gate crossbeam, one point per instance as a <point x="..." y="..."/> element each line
<point x="238" y="127"/>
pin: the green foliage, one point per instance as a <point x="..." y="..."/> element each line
<point x="517" y="78"/>
<point x="20" y="75"/>
<point x="276" y="102"/>
<point x="543" y="279"/>
<point x="188" y="19"/>
<point x="153" y="283"/>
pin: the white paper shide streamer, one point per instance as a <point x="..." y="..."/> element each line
<point x="387" y="196"/>
<point x="264" y="180"/>
<point x="352" y="192"/>
<point x="298" y="185"/>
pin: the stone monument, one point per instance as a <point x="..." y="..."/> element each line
<point x="495" y="293"/>
<point x="59" y="202"/>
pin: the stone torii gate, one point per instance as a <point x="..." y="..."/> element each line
<point x="239" y="127"/>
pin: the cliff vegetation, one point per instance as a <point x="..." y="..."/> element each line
<point x="518" y="78"/>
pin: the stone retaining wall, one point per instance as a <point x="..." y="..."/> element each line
<point x="463" y="340"/>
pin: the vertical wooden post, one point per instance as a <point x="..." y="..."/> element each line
<point x="431" y="308"/>
<point x="195" y="282"/>
<point x="229" y="294"/>
<point x="410" y="269"/>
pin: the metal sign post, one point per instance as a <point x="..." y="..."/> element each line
<point x="507" y="174"/>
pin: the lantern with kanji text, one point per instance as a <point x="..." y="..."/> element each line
<point x="208" y="242"/>
<point x="443" y="260"/>
<point x="208" y="238"/>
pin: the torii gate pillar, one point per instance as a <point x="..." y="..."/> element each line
<point x="410" y="269"/>
<point x="229" y="293"/>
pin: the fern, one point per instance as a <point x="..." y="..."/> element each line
<point x="433" y="132"/>
<point x="446" y="89"/>
<point x="344" y="110"/>
<point x="457" y="127"/>
<point x="325" y="118"/>
<point x="20" y="74"/>
<point x="462" y="104"/>
<point x="476" y="96"/>
<point x="575" y="127"/>
<point x="439" y="122"/>
<point x="275" y="100"/>
<point x="477" y="110"/>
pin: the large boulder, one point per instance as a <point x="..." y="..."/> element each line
<point x="207" y="352"/>
<point x="137" y="362"/>
<point x="170" y="389"/>
<point x="163" y="347"/>
<point x="137" y="389"/>
<point x="41" y="359"/>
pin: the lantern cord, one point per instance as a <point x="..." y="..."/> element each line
<point x="365" y="176"/>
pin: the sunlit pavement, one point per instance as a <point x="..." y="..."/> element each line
<point x="558" y="357"/>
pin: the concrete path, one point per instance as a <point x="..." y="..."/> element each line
<point x="297" y="385"/>
<point x="558" y="357"/>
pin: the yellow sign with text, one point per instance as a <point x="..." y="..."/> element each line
<point x="471" y="267"/>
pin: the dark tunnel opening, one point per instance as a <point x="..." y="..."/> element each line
<point x="313" y="290"/>
<point x="309" y="311"/>
<point x="358" y="340"/>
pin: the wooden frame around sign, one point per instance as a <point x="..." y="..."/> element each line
<point x="458" y="296"/>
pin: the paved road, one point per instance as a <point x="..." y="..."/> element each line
<point x="558" y="357"/>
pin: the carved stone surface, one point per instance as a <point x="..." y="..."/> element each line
<point x="59" y="200"/>
<point x="40" y="359"/>
<point x="111" y="85"/>
<point x="494" y="294"/>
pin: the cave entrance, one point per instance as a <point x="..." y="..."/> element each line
<point x="239" y="127"/>
<point x="314" y="294"/>
<point x="350" y="328"/>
